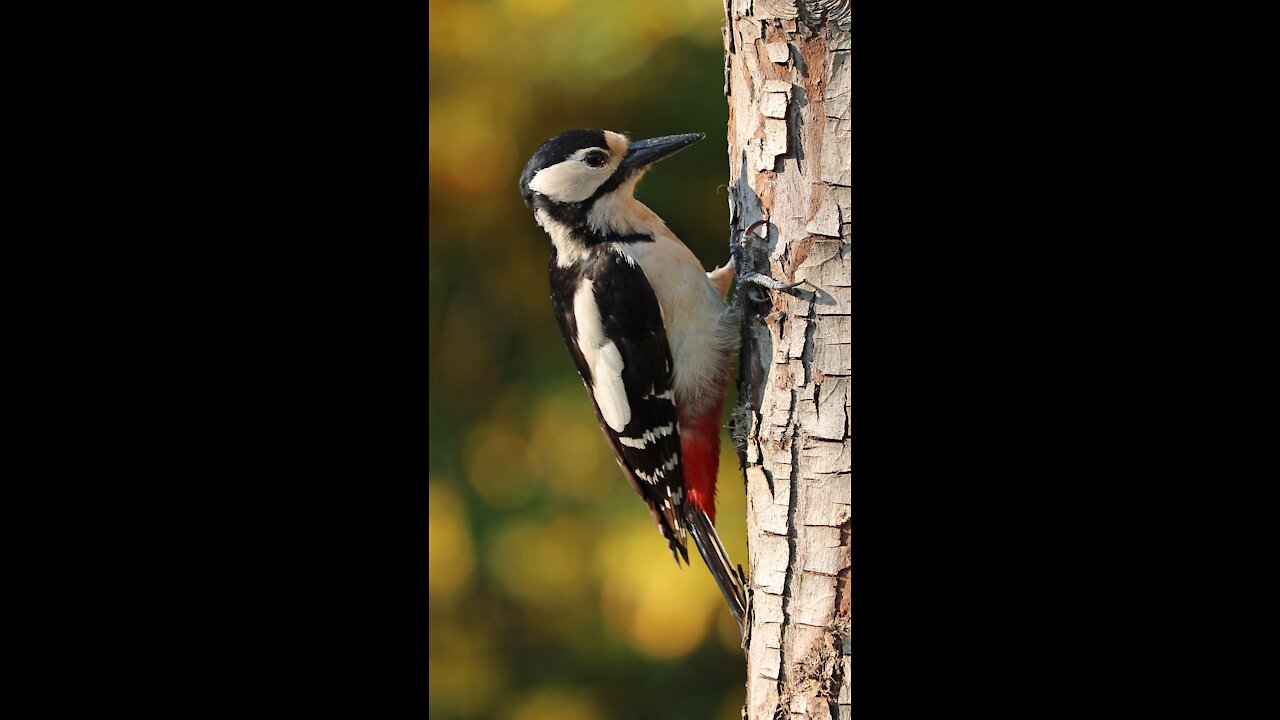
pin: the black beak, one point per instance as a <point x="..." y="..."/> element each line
<point x="642" y="153"/>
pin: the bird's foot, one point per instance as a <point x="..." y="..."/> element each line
<point x="755" y="278"/>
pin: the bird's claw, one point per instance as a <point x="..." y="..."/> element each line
<point x="735" y="248"/>
<point x="752" y="228"/>
<point x="753" y="277"/>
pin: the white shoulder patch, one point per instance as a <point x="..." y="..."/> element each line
<point x="603" y="359"/>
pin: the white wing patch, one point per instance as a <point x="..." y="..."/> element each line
<point x="610" y="393"/>
<point x="603" y="359"/>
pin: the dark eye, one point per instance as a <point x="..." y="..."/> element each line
<point x="595" y="159"/>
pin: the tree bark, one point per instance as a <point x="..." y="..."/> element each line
<point x="787" y="79"/>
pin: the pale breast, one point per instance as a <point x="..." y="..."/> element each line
<point x="692" y="314"/>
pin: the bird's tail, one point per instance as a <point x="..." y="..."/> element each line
<point x="717" y="560"/>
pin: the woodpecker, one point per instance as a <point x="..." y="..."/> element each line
<point x="650" y="331"/>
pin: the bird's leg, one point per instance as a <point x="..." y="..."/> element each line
<point x="765" y="280"/>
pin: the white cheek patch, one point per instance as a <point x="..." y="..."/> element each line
<point x="572" y="180"/>
<point x="603" y="359"/>
<point x="569" y="181"/>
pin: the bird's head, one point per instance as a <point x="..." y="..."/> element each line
<point x="575" y="169"/>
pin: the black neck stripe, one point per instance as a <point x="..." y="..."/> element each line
<point x="574" y="215"/>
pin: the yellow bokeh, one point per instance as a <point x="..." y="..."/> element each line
<point x="663" y="610"/>
<point x="567" y="451"/>
<point x="555" y="703"/>
<point x="471" y="152"/>
<point x="489" y="456"/>
<point x="543" y="563"/>
<point x="458" y="360"/>
<point x="466" y="674"/>
<point x="535" y="9"/>
<point x="448" y="547"/>
<point x="731" y="503"/>
<point x="500" y="53"/>
<point x="457" y="27"/>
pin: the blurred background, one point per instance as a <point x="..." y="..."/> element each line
<point x="552" y="595"/>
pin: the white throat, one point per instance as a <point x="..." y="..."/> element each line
<point x="620" y="212"/>
<point x="616" y="213"/>
<point x="569" y="249"/>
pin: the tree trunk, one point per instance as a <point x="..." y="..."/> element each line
<point x="787" y="78"/>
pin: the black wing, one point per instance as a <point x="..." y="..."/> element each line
<point x="647" y="447"/>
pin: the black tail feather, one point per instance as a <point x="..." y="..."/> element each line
<point x="678" y="551"/>
<point x="717" y="561"/>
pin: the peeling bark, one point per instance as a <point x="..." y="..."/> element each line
<point x="787" y="79"/>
